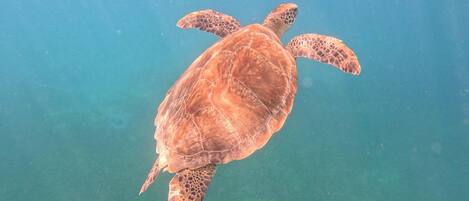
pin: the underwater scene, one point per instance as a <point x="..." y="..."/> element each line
<point x="81" y="82"/>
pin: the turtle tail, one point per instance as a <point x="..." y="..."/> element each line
<point x="152" y="175"/>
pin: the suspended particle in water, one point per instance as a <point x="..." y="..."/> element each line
<point x="466" y="121"/>
<point x="436" y="147"/>
<point x="307" y="82"/>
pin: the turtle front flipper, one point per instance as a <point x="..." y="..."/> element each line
<point x="325" y="49"/>
<point x="210" y="21"/>
<point x="191" y="185"/>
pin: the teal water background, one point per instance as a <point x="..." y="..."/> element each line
<point x="80" y="82"/>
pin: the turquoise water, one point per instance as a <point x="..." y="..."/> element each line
<point x="80" y="82"/>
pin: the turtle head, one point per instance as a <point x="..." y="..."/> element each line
<point x="280" y="19"/>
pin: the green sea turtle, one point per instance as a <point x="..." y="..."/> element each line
<point x="234" y="96"/>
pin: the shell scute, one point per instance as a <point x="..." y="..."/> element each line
<point x="212" y="137"/>
<point x="241" y="106"/>
<point x="229" y="102"/>
<point x="188" y="135"/>
<point x="266" y="81"/>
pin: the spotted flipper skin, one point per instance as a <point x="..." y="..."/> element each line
<point x="191" y="185"/>
<point x="325" y="49"/>
<point x="210" y="21"/>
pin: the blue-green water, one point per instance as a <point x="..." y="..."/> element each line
<point x="80" y="82"/>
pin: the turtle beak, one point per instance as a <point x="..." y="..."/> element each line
<point x="287" y="7"/>
<point x="281" y="18"/>
<point x="293" y="9"/>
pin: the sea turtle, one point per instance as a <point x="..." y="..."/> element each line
<point x="234" y="96"/>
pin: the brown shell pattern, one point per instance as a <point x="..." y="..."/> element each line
<point x="229" y="101"/>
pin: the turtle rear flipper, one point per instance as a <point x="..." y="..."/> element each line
<point x="152" y="175"/>
<point x="210" y="21"/>
<point x="325" y="49"/>
<point x="191" y="184"/>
